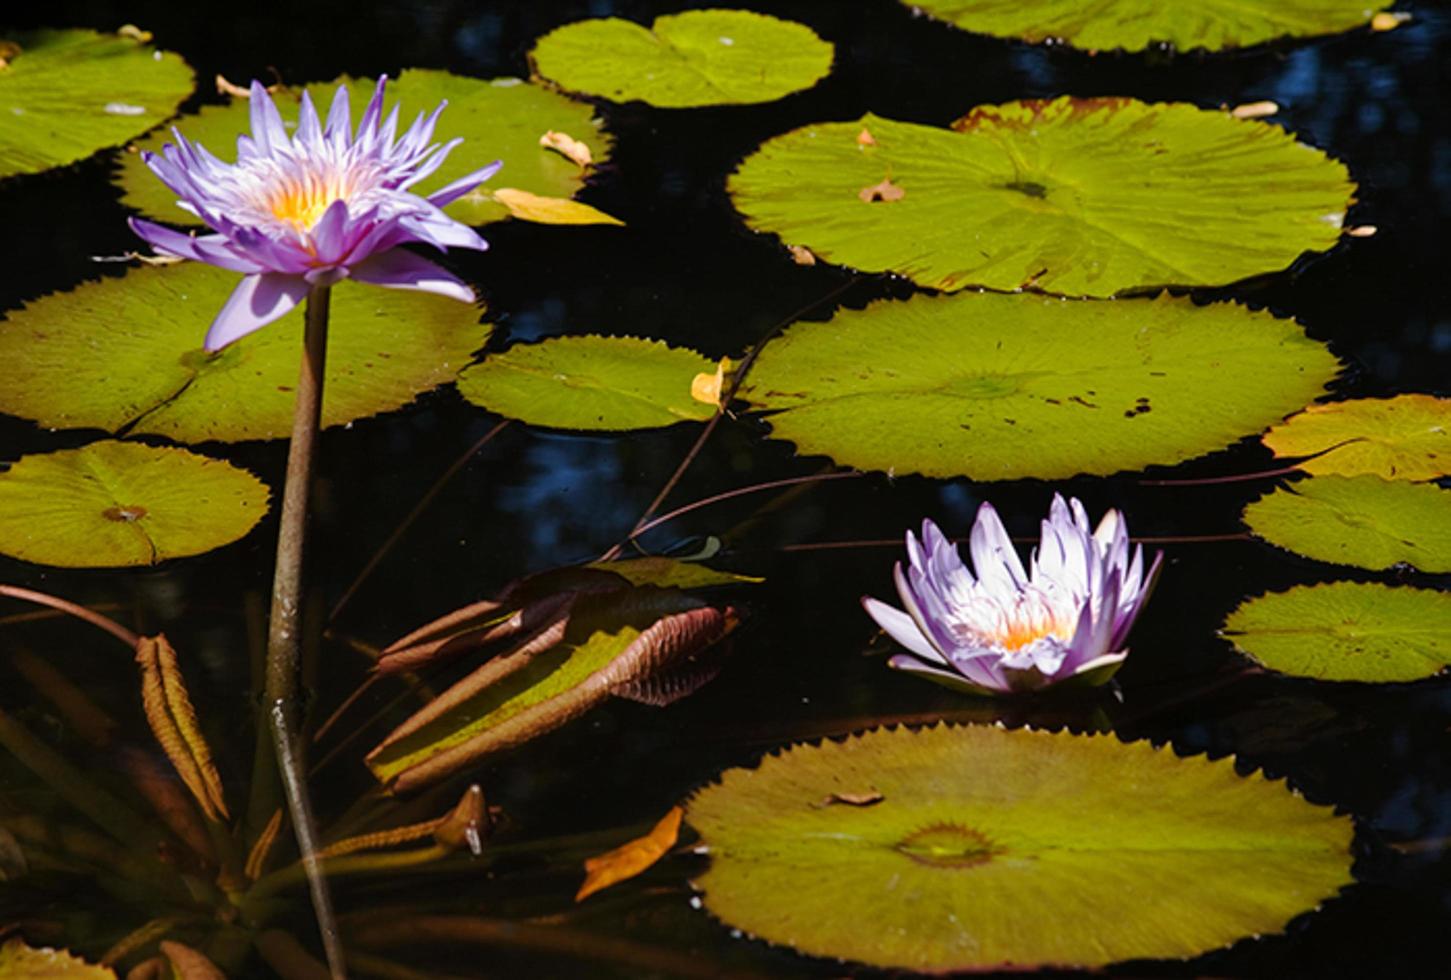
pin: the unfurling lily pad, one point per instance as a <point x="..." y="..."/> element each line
<point x="66" y="94"/>
<point x="112" y="504"/>
<point x="1346" y="631"/>
<point x="999" y="387"/>
<point x="1083" y="197"/>
<point x="694" y="58"/>
<point x="1358" y="520"/>
<point x="504" y="119"/>
<point x="595" y="383"/>
<point x="1120" y="851"/>
<point x="1133" y="25"/>
<point x="126" y="355"/>
<point x="1407" y="437"/>
<point x="579" y="652"/>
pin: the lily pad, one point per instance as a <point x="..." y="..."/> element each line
<point x="617" y="643"/>
<point x="19" y="961"/>
<point x="694" y="58"/>
<point x="1358" y="520"/>
<point x="1133" y="25"/>
<point x="113" y="504"/>
<point x="1000" y="387"/>
<point x="125" y="355"/>
<point x="595" y="383"/>
<point x="66" y="94"/>
<point x="672" y="573"/>
<point x="503" y="119"/>
<point x="971" y="826"/>
<point x="1407" y="437"/>
<point x="1346" y="631"/>
<point x="1082" y="197"/>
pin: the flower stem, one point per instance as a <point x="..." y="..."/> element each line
<point x="283" y="669"/>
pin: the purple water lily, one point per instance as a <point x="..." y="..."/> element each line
<point x="314" y="208"/>
<point x="1008" y="629"/>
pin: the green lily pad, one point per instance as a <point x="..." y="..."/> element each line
<point x="596" y="383"/>
<point x="502" y="119"/>
<point x="672" y="573"/>
<point x="694" y="58"/>
<point x="113" y="504"/>
<point x="1000" y="387"/>
<point x="1121" y="851"/>
<point x="1083" y="197"/>
<point x="66" y="94"/>
<point x="1358" y="520"/>
<point x="19" y="961"/>
<point x="1346" y="631"/>
<point x="607" y="644"/>
<point x="125" y="355"/>
<point x="1133" y="25"/>
<point x="1407" y="437"/>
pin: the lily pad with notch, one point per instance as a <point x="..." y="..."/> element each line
<point x="1075" y="196"/>
<point x="112" y="504"/>
<point x="998" y="387"/>
<point x="975" y="824"/>
<point x="1407" y="437"/>
<point x="125" y="355"/>
<point x="66" y="94"/>
<point x="693" y="58"/>
<point x="504" y="119"/>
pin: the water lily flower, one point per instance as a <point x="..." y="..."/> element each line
<point x="313" y="208"/>
<point x="1009" y="629"/>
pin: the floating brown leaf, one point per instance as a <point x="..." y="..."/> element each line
<point x="174" y="723"/>
<point x="629" y="860"/>
<point x="801" y="255"/>
<point x="1255" y="110"/>
<point x="567" y="146"/>
<point x="869" y="798"/>
<point x="885" y="191"/>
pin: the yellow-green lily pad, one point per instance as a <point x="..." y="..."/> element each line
<point x="1346" y="631"/>
<point x="999" y="387"/>
<point x="693" y="58"/>
<point x="1082" y="197"/>
<point x="503" y="119"/>
<point x="1358" y="520"/>
<point x="1407" y="437"/>
<point x="125" y="355"/>
<point x="925" y="850"/>
<point x="112" y="504"/>
<point x="595" y="383"/>
<point x="1133" y="25"/>
<point x="66" y="94"/>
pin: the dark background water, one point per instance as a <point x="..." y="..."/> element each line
<point x="686" y="270"/>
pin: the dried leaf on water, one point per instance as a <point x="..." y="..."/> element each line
<point x="527" y="206"/>
<point x="173" y="720"/>
<point x="632" y="858"/>
<point x="567" y="146"/>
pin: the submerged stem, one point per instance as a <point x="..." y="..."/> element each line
<point x="283" y="669"/>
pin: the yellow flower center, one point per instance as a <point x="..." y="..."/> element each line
<point x="302" y="203"/>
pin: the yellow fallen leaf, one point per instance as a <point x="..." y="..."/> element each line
<point x="567" y="146"/>
<point x="1388" y="20"/>
<point x="885" y="191"/>
<point x="1361" y="231"/>
<point x="134" y="33"/>
<point x="801" y="255"/>
<point x="550" y="210"/>
<point x="628" y="860"/>
<point x="708" y="387"/>
<point x="1255" y="110"/>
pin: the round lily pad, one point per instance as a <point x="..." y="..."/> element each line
<point x="1083" y="197"/>
<point x="924" y="850"/>
<point x="695" y="58"/>
<point x="1000" y="387"/>
<point x="66" y="94"/>
<point x="1358" y="520"/>
<point x="504" y="119"/>
<point x="1346" y="631"/>
<point x="1407" y="437"/>
<point x="594" y="383"/>
<point x="1133" y="25"/>
<point x="112" y="504"/>
<point x="125" y="355"/>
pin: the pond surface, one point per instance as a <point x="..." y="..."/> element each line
<point x="805" y="663"/>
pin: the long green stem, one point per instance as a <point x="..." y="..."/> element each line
<point x="283" y="698"/>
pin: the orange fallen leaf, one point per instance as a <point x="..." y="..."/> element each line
<point x="885" y="191"/>
<point x="1388" y="20"/>
<point x="1361" y="231"/>
<point x="865" y="138"/>
<point x="1255" y="110"/>
<point x="567" y="146"/>
<point x="628" y="860"/>
<point x="801" y="255"/>
<point x="708" y="387"/>
<point x="869" y="798"/>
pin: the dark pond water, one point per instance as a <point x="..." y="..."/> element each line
<point x="804" y="664"/>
